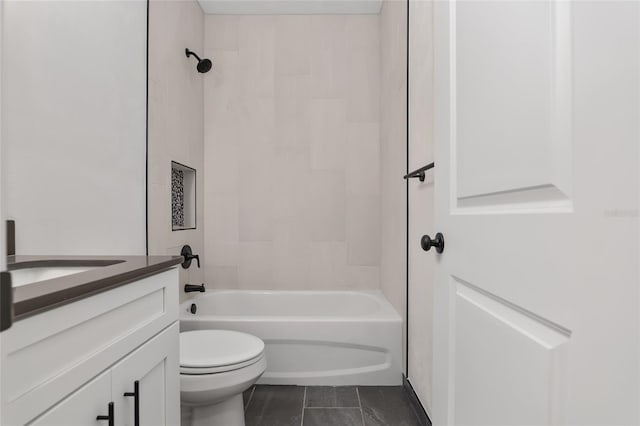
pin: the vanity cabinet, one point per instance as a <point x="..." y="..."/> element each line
<point x="64" y="366"/>
<point x="153" y="367"/>
<point x="80" y="408"/>
<point x="157" y="389"/>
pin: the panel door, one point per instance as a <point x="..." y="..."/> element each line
<point x="536" y="186"/>
<point x="82" y="407"/>
<point x="155" y="366"/>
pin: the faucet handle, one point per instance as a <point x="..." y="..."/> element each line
<point x="188" y="256"/>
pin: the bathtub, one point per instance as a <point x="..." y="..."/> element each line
<point x="311" y="337"/>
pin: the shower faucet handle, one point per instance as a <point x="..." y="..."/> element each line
<point x="188" y="256"/>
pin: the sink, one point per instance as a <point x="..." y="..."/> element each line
<point x="24" y="276"/>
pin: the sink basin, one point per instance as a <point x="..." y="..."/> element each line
<point x="24" y="276"/>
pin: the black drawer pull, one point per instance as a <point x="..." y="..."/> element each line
<point x="136" y="402"/>
<point x="110" y="417"/>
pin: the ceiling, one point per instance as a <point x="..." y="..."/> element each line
<point x="290" y="7"/>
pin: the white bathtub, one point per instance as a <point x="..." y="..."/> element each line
<point x="311" y="337"/>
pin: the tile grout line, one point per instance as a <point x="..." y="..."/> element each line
<point x="360" y="404"/>
<point x="329" y="408"/>
<point x="304" y="401"/>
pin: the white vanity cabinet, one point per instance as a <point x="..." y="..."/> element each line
<point x="80" y="408"/>
<point x="154" y="367"/>
<point x="64" y="366"/>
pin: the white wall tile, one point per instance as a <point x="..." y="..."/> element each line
<point x="176" y="128"/>
<point x="290" y="189"/>
<point x="328" y="267"/>
<point x="363" y="86"/>
<point x="362" y="32"/>
<point x="363" y="277"/>
<point x="221" y="32"/>
<point x="329" y="56"/>
<point x="328" y="133"/>
<point x="221" y="277"/>
<point x="222" y="157"/>
<point x="326" y="205"/>
<point x="363" y="236"/>
<point x="159" y="221"/>
<point x="292" y="264"/>
<point x="256" y="165"/>
<point x="222" y="253"/>
<point x="256" y="55"/>
<point x="221" y="93"/>
<point x="256" y="264"/>
<point x="293" y="114"/>
<point x="287" y="147"/>
<point x="363" y="160"/>
<point x="292" y="44"/>
<point x="222" y="218"/>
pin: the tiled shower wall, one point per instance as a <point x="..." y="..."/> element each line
<point x="175" y="124"/>
<point x="292" y="152"/>
<point x="393" y="149"/>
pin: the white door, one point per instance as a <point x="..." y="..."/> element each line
<point x="536" y="193"/>
<point x="155" y="368"/>
<point x="82" y="407"/>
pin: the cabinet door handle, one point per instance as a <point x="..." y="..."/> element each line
<point x="110" y="417"/>
<point x="136" y="402"/>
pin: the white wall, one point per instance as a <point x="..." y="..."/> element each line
<point x="292" y="152"/>
<point x="74" y="126"/>
<point x="393" y="149"/>
<point x="421" y="201"/>
<point x="175" y="123"/>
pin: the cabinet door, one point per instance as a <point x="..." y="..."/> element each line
<point x="81" y="407"/>
<point x="155" y="366"/>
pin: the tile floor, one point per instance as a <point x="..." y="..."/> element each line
<point x="328" y="406"/>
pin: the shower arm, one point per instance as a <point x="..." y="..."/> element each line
<point x="189" y="53"/>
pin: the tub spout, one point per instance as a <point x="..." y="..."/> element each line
<point x="189" y="288"/>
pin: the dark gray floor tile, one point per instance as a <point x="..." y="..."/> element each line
<point x="332" y="417"/>
<point x="331" y="396"/>
<point x="275" y="406"/>
<point x="386" y="406"/>
<point x="246" y="396"/>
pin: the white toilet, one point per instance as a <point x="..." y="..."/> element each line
<point x="216" y="366"/>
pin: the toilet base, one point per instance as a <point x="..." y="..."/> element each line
<point x="229" y="412"/>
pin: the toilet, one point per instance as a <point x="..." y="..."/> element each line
<point x="216" y="366"/>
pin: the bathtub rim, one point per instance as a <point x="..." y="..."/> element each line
<point x="387" y="312"/>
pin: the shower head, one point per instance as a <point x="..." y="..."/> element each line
<point x="204" y="65"/>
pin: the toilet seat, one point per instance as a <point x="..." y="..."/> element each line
<point x="217" y="351"/>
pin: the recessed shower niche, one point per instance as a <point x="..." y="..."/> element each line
<point x="183" y="197"/>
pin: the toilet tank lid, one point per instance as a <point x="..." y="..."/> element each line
<point x="214" y="348"/>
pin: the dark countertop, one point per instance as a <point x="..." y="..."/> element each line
<point x="110" y="272"/>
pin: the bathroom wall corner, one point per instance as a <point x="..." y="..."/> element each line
<point x="175" y="126"/>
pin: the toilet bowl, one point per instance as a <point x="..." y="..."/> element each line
<point x="216" y="366"/>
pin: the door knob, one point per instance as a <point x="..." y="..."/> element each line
<point x="438" y="242"/>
